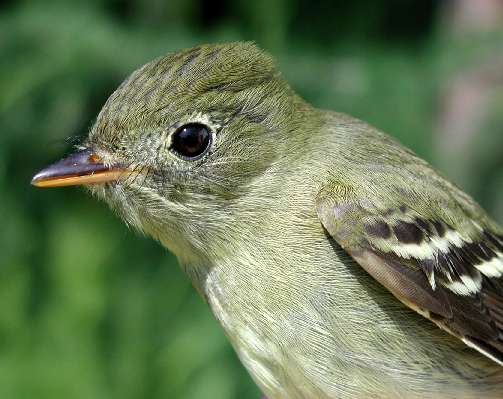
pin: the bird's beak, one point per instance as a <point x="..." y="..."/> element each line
<point x="81" y="167"/>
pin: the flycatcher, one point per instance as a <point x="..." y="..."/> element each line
<point x="339" y="264"/>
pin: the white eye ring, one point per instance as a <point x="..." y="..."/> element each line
<point x="191" y="140"/>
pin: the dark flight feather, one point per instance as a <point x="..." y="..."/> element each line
<point x="453" y="277"/>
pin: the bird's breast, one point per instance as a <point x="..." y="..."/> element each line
<point x="324" y="332"/>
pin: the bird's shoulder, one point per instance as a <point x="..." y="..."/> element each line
<point x="420" y="236"/>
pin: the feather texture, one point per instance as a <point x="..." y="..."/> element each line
<point x="449" y="274"/>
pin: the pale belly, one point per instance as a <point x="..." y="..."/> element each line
<point x="297" y="374"/>
<point x="312" y="351"/>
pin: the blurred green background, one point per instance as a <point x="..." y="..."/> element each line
<point x="89" y="309"/>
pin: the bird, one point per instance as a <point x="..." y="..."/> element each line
<point x="338" y="263"/>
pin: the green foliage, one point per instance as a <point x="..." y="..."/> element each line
<point x="89" y="309"/>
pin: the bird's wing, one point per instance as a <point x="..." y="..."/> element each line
<point x="444" y="260"/>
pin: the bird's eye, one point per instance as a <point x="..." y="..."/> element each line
<point x="191" y="140"/>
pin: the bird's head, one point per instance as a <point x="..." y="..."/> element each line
<point x="182" y="145"/>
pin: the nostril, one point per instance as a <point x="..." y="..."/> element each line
<point x="93" y="158"/>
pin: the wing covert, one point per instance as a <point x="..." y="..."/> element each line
<point x="447" y="269"/>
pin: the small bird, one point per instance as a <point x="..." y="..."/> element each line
<point x="339" y="263"/>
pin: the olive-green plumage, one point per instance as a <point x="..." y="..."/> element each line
<point x="314" y="238"/>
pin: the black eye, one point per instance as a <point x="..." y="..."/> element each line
<point x="191" y="140"/>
